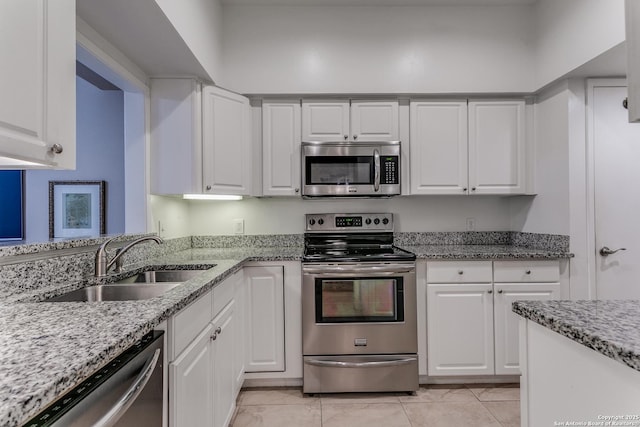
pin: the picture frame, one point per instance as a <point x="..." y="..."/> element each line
<point x="76" y="209"/>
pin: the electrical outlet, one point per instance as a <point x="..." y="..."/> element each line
<point x="238" y="226"/>
<point x="471" y="224"/>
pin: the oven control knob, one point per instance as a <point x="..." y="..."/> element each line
<point x="367" y="221"/>
<point x="320" y="221"/>
<point x="376" y="221"/>
<point x="312" y="221"/>
<point x="385" y="221"/>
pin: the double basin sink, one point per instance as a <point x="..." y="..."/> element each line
<point x="140" y="286"/>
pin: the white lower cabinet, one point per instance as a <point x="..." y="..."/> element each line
<point x="264" y="344"/>
<point x="471" y="329"/>
<point x="203" y="376"/>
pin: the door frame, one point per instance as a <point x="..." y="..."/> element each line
<point x="99" y="55"/>
<point x="592" y="257"/>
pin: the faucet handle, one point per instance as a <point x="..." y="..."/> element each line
<point x="119" y="261"/>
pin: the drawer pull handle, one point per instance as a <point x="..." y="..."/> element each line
<point x="528" y="272"/>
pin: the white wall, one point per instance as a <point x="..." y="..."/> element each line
<point x="169" y="217"/>
<point x="334" y="49"/>
<point x="199" y="23"/>
<point x="285" y="215"/>
<point x="548" y="212"/>
<point x="100" y="156"/>
<point x="570" y="33"/>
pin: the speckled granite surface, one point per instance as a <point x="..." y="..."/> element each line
<point x="46" y="348"/>
<point x="611" y="328"/>
<point x="453" y="252"/>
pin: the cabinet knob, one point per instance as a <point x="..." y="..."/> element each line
<point x="214" y="336"/>
<point x="489" y="291"/>
<point x="208" y="187"/>
<point x="460" y="272"/>
<point x="528" y="272"/>
<point x="56" y="149"/>
<point x="464" y="190"/>
<point x="346" y="137"/>
<point x="297" y="190"/>
<point x="355" y="137"/>
<point x="473" y="188"/>
<point x="500" y="291"/>
<point x="218" y="330"/>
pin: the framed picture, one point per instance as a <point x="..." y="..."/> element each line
<point x="76" y="208"/>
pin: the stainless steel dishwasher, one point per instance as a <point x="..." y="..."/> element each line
<point x="126" y="392"/>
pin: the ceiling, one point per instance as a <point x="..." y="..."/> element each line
<point x="379" y="2"/>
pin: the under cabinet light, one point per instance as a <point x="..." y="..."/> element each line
<point x="211" y="197"/>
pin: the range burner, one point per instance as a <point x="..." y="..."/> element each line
<point x="351" y="238"/>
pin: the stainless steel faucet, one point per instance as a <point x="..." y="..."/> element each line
<point x="102" y="264"/>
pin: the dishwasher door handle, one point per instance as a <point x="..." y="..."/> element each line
<point x="113" y="415"/>
<point x="375" y="364"/>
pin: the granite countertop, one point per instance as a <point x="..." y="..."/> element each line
<point x="47" y="348"/>
<point x="489" y="252"/>
<point x="611" y="328"/>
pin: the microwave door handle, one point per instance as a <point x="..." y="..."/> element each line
<point x="376" y="170"/>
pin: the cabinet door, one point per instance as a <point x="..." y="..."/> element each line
<point x="223" y="374"/>
<point x="438" y="135"/>
<point x="37" y="83"/>
<point x="632" y="18"/>
<point x="239" y="333"/>
<point x="374" y="121"/>
<point x="226" y="134"/>
<point x="191" y="384"/>
<point x="281" y="148"/>
<point x="496" y="147"/>
<point x="264" y="308"/>
<point x="506" y="321"/>
<point x="325" y="121"/>
<point x="460" y="329"/>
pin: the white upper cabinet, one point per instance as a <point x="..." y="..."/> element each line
<point x="374" y="121"/>
<point x="632" y="15"/>
<point x="226" y="148"/>
<point x="325" y="120"/>
<point x="37" y="84"/>
<point x="474" y="147"/>
<point x="496" y="147"/>
<point x="354" y="121"/>
<point x="438" y="135"/>
<point x="200" y="139"/>
<point x="281" y="148"/>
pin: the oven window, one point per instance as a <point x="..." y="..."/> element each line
<point x="343" y="170"/>
<point x="359" y="300"/>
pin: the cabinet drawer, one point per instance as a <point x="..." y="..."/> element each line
<point x="223" y="293"/>
<point x="459" y="272"/>
<point x="188" y="323"/>
<point x="526" y="271"/>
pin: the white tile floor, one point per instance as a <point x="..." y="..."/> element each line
<point x="432" y="406"/>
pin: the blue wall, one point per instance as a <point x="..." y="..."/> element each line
<point x="100" y="157"/>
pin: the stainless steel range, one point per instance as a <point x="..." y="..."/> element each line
<point x="358" y="306"/>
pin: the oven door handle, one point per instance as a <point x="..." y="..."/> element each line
<point x="377" y="364"/>
<point x="113" y="415"/>
<point x="351" y="270"/>
<point x="376" y="170"/>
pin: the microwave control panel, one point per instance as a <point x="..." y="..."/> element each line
<point x="389" y="170"/>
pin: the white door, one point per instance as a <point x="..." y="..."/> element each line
<point x="374" y="121"/>
<point x="191" y="384"/>
<point x="37" y="83"/>
<point x="223" y="366"/>
<point x="438" y="147"/>
<point x="616" y="150"/>
<point x="281" y="148"/>
<point x="226" y="136"/>
<point x="496" y="147"/>
<point x="460" y="329"/>
<point x="325" y="121"/>
<point x="264" y="312"/>
<point x="506" y="322"/>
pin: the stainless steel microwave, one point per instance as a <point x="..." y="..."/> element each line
<point x="350" y="169"/>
